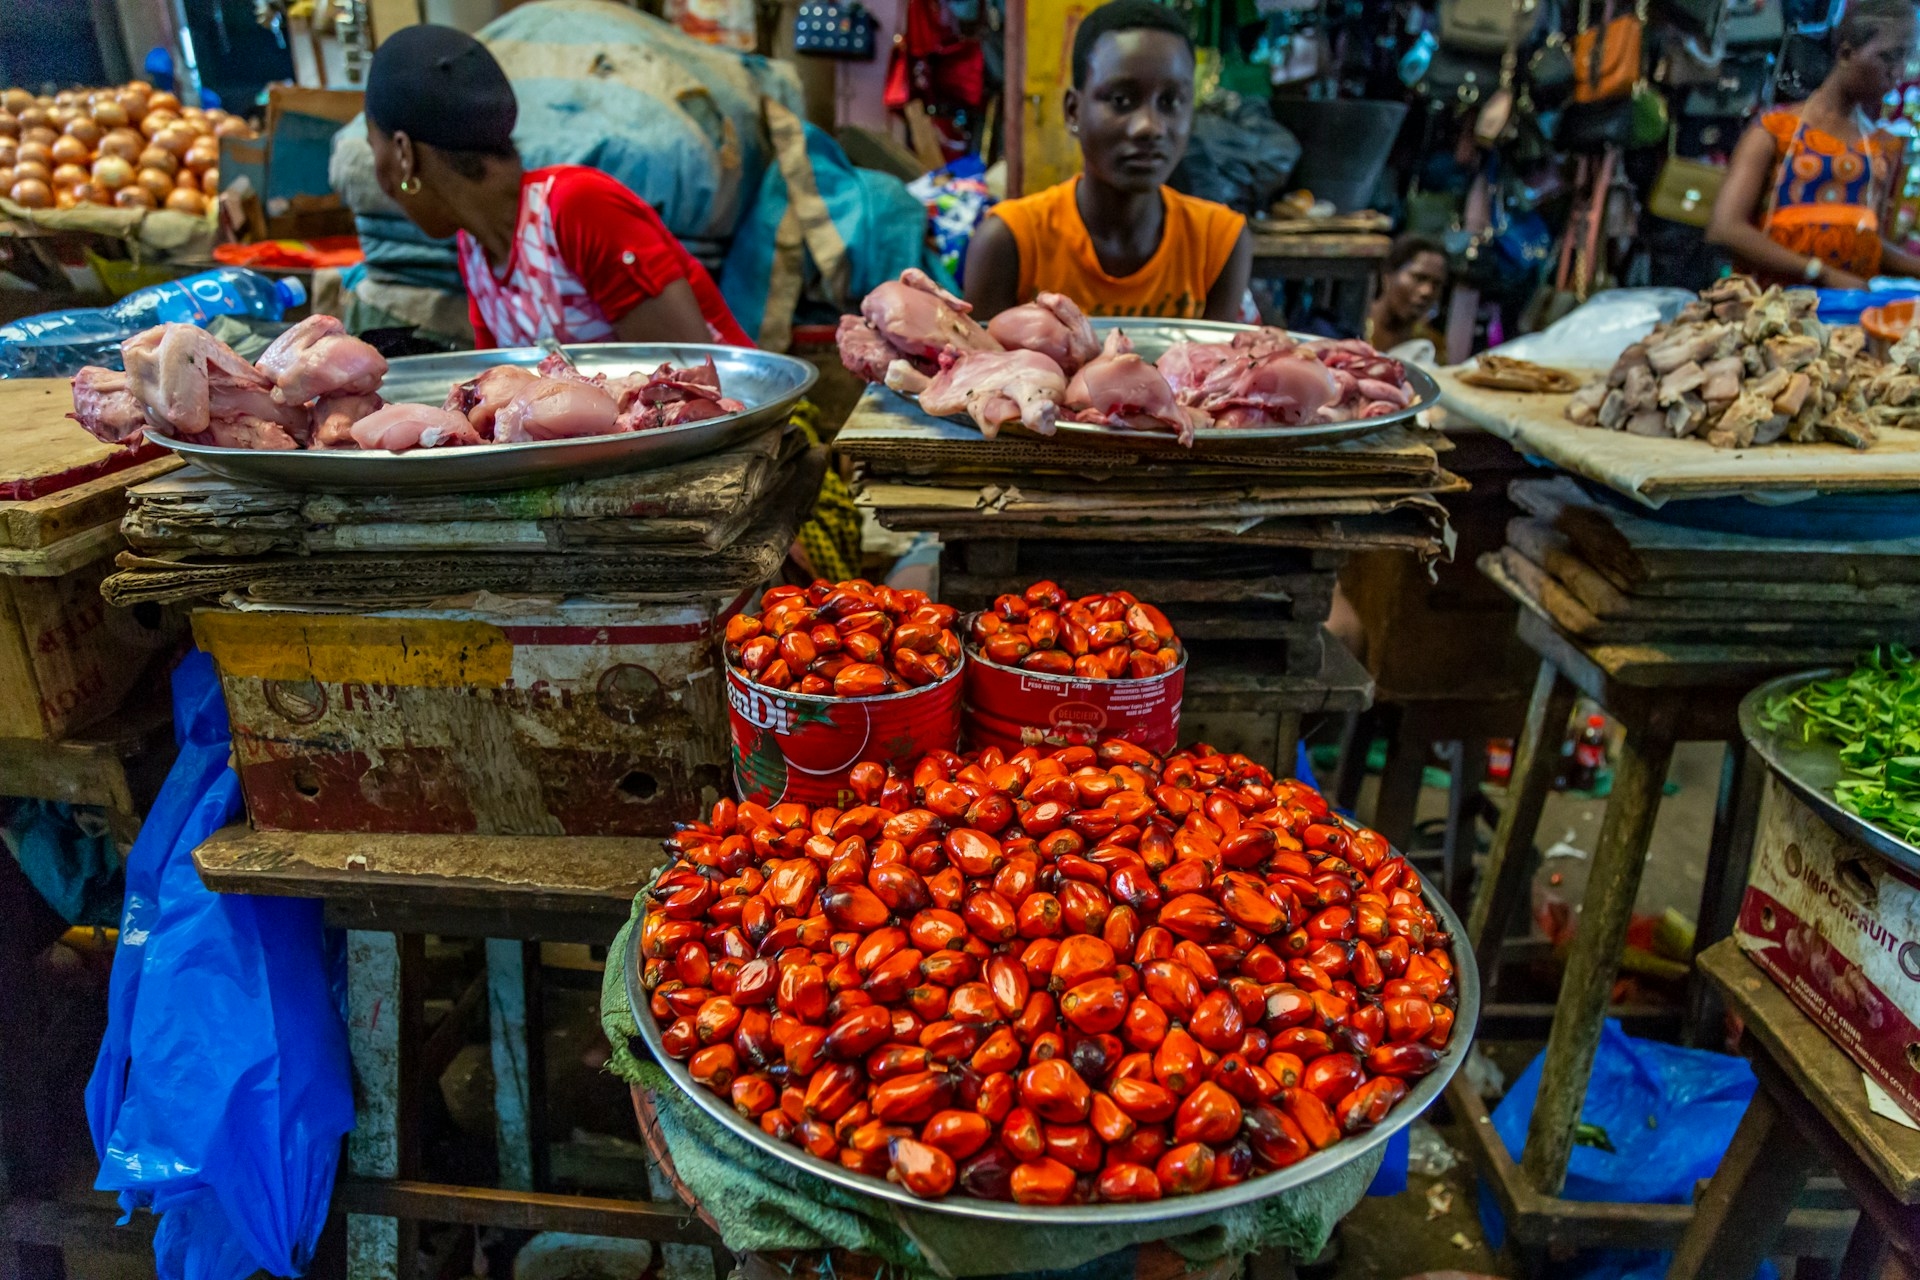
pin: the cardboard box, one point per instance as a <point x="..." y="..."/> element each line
<point x="585" y="717"/>
<point x="67" y="657"/>
<point x="1838" y="928"/>
<point x="287" y="164"/>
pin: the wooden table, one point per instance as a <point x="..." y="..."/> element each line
<point x="1351" y="258"/>
<point x="389" y="891"/>
<point x="1810" y="1109"/>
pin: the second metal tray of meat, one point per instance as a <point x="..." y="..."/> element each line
<point x="1809" y="769"/>
<point x="766" y="383"/>
<point x="1152" y="337"/>
<point x="1321" y="1163"/>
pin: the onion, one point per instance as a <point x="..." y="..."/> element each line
<point x="9" y="125"/>
<point x="135" y="198"/>
<point x="93" y="193"/>
<point x="154" y="121"/>
<point x="66" y="97"/>
<point x="68" y="175"/>
<point x="41" y="134"/>
<point x="124" y="143"/>
<point x="110" y="115"/>
<point x="39" y="152"/>
<point x="185" y="180"/>
<point x="203" y="154"/>
<point x="32" y="169"/>
<point x="158" y="157"/>
<point x="210" y="181"/>
<point x="175" y="138"/>
<point x="32" y="193"/>
<point x="164" y="101"/>
<point x="65" y="198"/>
<point x="112" y="172"/>
<point x="16" y="100"/>
<point x="86" y="130"/>
<point x="32" y="117"/>
<point x="161" y="184"/>
<point x="133" y="102"/>
<point x="9" y="152"/>
<point x="6" y="177"/>
<point x="69" y="150"/>
<point x="233" y="127"/>
<point x="181" y="200"/>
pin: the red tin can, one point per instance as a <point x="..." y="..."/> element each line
<point x="799" y="746"/>
<point x="1010" y="708"/>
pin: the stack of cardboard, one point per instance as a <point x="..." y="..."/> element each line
<point x="1607" y="576"/>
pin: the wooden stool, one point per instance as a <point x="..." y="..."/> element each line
<point x="1661" y="699"/>
<point x="1810" y="1109"/>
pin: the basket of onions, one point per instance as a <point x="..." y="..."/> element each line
<point x="133" y="147"/>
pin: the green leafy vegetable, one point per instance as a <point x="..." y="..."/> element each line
<point x="1873" y="716"/>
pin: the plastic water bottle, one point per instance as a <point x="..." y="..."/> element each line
<point x="56" y="343"/>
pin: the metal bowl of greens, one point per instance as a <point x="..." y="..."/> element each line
<point x="1848" y="743"/>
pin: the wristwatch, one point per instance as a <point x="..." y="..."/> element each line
<point x="1813" y="270"/>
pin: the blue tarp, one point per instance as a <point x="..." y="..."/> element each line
<point x="223" y="1086"/>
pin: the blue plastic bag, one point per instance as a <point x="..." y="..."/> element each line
<point x="223" y="1085"/>
<point x="1668" y="1113"/>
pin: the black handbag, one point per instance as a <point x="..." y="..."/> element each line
<point x="1550" y="73"/>
<point x="834" y="29"/>
<point x="1456" y="81"/>
<point x="1743" y="82"/>
<point x="1588" y="128"/>
<point x="1805" y="60"/>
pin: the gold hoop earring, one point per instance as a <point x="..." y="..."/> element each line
<point x="410" y="186"/>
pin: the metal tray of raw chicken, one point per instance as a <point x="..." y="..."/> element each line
<point x="767" y="384"/>
<point x="1152" y="337"/>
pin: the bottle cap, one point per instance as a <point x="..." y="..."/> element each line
<point x="292" y="292"/>
<point x="1596" y="722"/>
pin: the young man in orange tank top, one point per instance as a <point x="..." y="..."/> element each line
<point x="1117" y="239"/>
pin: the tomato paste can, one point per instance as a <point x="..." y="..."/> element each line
<point x="1010" y="708"/>
<point x="800" y="746"/>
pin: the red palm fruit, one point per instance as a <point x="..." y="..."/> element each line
<point x="1368" y="1105"/>
<point x="756" y="982"/>
<point x="1408" y="1018"/>
<point x="1008" y="982"/>
<point x="1442" y="1026"/>
<point x="715" y="1066"/>
<point x="1017" y="878"/>
<point x="923" y="1169"/>
<point x="927" y="1002"/>
<point x="1198" y="918"/>
<point x="894" y="976"/>
<point x="805" y="1052"/>
<point x="910" y="1099"/>
<point x="949" y="968"/>
<point x="972" y="1002"/>
<point x="1022" y="1135"/>
<point x="935" y="929"/>
<point x="1312" y="1115"/>
<point x="832" y="1091"/>
<point x="716" y="1020"/>
<point x="1111" y="1123"/>
<point x="870" y="951"/>
<point x="1055" y="1091"/>
<point x="1287" y="1007"/>
<point x="1276" y="1140"/>
<point x="1145" y="1025"/>
<point x="950" y="1041"/>
<point x="990" y="813"/>
<point x="1127" y="1184"/>
<point x="1177" y="1063"/>
<point x="1095" y="1006"/>
<point x="1172" y="986"/>
<point x="818" y="1140"/>
<point x="1406" y="1059"/>
<point x="1286" y="1069"/>
<point x="859" y="1032"/>
<point x="900" y="888"/>
<point x="999" y="1052"/>
<point x="1304" y="1042"/>
<point x="1237" y="1076"/>
<point x="1186" y="1170"/>
<point x="1146" y="1101"/>
<point x="1209" y="1114"/>
<point x="1079" y="959"/>
<point x="1040" y="916"/>
<point x="975" y="852"/>
<point x="998" y="1093"/>
<point x="753" y="1095"/>
<point x="1038" y="958"/>
<point x="991" y="918"/>
<point x="958" y="1133"/>
<point x="853" y="907"/>
<point x="890" y="1061"/>
<point x="778" y="1125"/>
<point x="1333" y="1076"/>
<point x="1083" y="907"/>
<point x="1216" y="1022"/>
<point x="947" y="887"/>
<point x="1042" y="1181"/>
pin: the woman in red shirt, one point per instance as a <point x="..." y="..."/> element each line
<point x="565" y="252"/>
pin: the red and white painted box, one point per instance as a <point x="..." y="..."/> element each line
<point x="589" y="717"/>
<point x="1837" y="927"/>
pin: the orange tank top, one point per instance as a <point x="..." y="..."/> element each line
<point x="1056" y="255"/>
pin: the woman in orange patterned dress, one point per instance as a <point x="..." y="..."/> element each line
<point x="1802" y="199"/>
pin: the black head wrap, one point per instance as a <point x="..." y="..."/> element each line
<point x="440" y="86"/>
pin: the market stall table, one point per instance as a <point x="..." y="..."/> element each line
<point x="1810" y="1109"/>
<point x="1346" y="259"/>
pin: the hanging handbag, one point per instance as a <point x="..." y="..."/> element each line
<point x="1606" y="60"/>
<point x="834" y="29"/>
<point x="1457" y="81"/>
<point x="1685" y="191"/>
<point x="1742" y="84"/>
<point x="1550" y="73"/>
<point x="1759" y="26"/>
<point x="1805" y="61"/>
<point x="1487" y="26"/>
<point x="1701" y="18"/>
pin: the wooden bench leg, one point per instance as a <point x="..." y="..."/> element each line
<point x="1747" y="1202"/>
<point x="1468" y="769"/>
<point x="1612" y="885"/>
<point x="1728" y="858"/>
<point x="1401" y="778"/>
<point x="382" y="1036"/>
<point x="1509" y="860"/>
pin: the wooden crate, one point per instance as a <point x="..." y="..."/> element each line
<point x="584" y="718"/>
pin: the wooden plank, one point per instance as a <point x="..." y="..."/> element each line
<point x="523" y="1210"/>
<point x="1641" y="554"/>
<point x="91" y="769"/>
<point x="1554" y="552"/>
<point x="597" y="875"/>
<point x="1223" y="676"/>
<point x="1418" y="531"/>
<point x="1748" y="1199"/>
<point x="1655" y="470"/>
<point x="41" y="522"/>
<point x="1820" y="1071"/>
<point x="42" y="451"/>
<point x="64" y="556"/>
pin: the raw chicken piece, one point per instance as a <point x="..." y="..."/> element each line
<point x="670" y="397"/>
<point x="188" y="381"/>
<point x="482" y="398"/>
<point x="334" y="416"/>
<point x="1269" y="390"/>
<point x="1120" y="389"/>
<point x="1265" y="341"/>
<point x="1052" y="325"/>
<point x="556" y="409"/>
<point x="998" y="387"/>
<point x="919" y="318"/>
<point x="1187" y="365"/>
<point x="317" y="357"/>
<point x="400" y="427"/>
<point x="103" y="404"/>
<point x="863" y="350"/>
